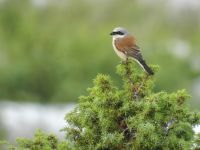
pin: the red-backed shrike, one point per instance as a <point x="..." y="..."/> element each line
<point x="125" y="46"/>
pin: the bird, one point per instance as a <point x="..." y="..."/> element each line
<point x="124" y="44"/>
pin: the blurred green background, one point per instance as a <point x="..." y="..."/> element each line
<point x="50" y="50"/>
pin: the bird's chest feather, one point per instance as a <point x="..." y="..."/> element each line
<point x="118" y="52"/>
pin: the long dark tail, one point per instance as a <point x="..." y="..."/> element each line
<point x="146" y="67"/>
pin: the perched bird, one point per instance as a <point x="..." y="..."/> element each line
<point x="125" y="46"/>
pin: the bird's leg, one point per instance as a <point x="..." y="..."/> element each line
<point x="126" y="61"/>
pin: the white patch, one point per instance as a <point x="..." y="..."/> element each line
<point x="196" y="129"/>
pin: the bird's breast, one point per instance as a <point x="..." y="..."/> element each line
<point x="118" y="52"/>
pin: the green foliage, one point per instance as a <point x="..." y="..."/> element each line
<point x="41" y="141"/>
<point x="131" y="116"/>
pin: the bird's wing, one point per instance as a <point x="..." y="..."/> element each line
<point x="134" y="52"/>
<point x="128" y="46"/>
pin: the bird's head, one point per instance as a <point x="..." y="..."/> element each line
<point x="119" y="32"/>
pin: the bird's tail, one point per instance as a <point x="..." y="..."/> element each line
<point x="146" y="67"/>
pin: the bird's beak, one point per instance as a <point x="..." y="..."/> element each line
<point x="112" y="33"/>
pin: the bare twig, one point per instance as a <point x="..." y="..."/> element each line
<point x="142" y="84"/>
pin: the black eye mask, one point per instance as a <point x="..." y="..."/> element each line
<point x="117" y="33"/>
